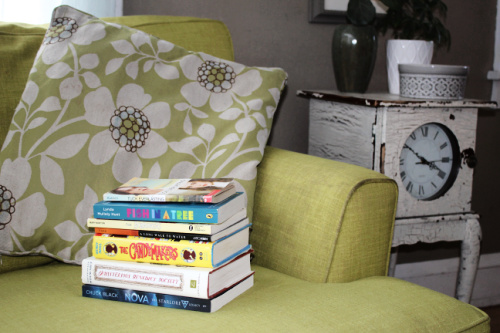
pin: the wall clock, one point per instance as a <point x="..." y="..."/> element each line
<point x="429" y="161"/>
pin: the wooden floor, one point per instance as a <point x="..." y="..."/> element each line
<point x="494" y="313"/>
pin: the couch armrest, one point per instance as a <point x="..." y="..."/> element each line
<point x="322" y="220"/>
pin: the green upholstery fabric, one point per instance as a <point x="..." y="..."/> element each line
<point x="8" y="263"/>
<point x="323" y="226"/>
<point x="276" y="303"/>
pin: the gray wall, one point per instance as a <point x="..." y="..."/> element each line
<point x="277" y="33"/>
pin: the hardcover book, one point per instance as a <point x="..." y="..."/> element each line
<point x="171" y="211"/>
<point x="175" y="235"/>
<point x="167" y="279"/>
<point x="170" y="227"/>
<point x="173" y="190"/>
<point x="170" y="251"/>
<point x="165" y="300"/>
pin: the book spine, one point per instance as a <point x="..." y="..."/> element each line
<point x="156" y="198"/>
<point x="146" y="298"/>
<point x="151" y="250"/>
<point x="150" y="226"/>
<point x="136" y="212"/>
<point x="171" y="235"/>
<point x="154" y="234"/>
<point x="145" y="277"/>
<point x="209" y="197"/>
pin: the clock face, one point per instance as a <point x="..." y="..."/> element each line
<point x="429" y="161"/>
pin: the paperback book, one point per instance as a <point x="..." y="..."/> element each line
<point x="167" y="279"/>
<point x="170" y="227"/>
<point x="171" y="211"/>
<point x="170" y="251"/>
<point x="173" y="190"/>
<point x="175" y="235"/>
<point x="166" y="300"/>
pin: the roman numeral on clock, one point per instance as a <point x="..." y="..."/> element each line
<point x="421" y="190"/>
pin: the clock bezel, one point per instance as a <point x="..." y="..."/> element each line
<point x="455" y="148"/>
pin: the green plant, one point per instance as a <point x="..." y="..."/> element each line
<point x="360" y="12"/>
<point x="416" y="19"/>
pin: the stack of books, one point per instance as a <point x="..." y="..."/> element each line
<point x="177" y="243"/>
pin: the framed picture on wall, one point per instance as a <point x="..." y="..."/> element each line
<point x="333" y="11"/>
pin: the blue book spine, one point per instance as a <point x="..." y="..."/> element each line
<point x="146" y="298"/>
<point x="163" y="212"/>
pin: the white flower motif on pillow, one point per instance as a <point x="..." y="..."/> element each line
<point x="72" y="232"/>
<point x="129" y="124"/>
<point x="15" y="177"/>
<point x="151" y="55"/>
<point x="204" y="70"/>
<point x="64" y="31"/>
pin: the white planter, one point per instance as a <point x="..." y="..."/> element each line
<point x="403" y="51"/>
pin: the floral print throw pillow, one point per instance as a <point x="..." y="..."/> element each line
<point x="104" y="103"/>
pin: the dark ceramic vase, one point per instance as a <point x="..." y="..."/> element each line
<point x="354" y="50"/>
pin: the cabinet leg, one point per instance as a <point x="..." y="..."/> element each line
<point x="469" y="260"/>
<point x="393" y="261"/>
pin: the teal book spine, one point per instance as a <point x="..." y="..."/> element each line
<point x="169" y="212"/>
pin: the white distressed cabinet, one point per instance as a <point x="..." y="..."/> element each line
<point x="372" y="130"/>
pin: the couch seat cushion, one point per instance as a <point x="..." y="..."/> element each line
<point x="50" y="296"/>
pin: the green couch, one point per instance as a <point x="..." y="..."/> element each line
<point x="322" y="236"/>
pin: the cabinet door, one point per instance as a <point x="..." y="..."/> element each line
<point x="398" y="125"/>
<point x="342" y="132"/>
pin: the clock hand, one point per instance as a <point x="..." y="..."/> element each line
<point x="433" y="166"/>
<point x="422" y="159"/>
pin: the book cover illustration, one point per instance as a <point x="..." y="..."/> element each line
<point x="165" y="300"/>
<point x="170" y="251"/>
<point x="192" y="212"/>
<point x="173" y="190"/>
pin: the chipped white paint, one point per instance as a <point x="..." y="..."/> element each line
<point x="373" y="137"/>
<point x="341" y="132"/>
<point x="370" y="130"/>
<point x="401" y="122"/>
<point x="460" y="227"/>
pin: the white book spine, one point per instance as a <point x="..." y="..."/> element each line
<point x="166" y="279"/>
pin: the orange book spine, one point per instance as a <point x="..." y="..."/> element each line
<point x="112" y="231"/>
